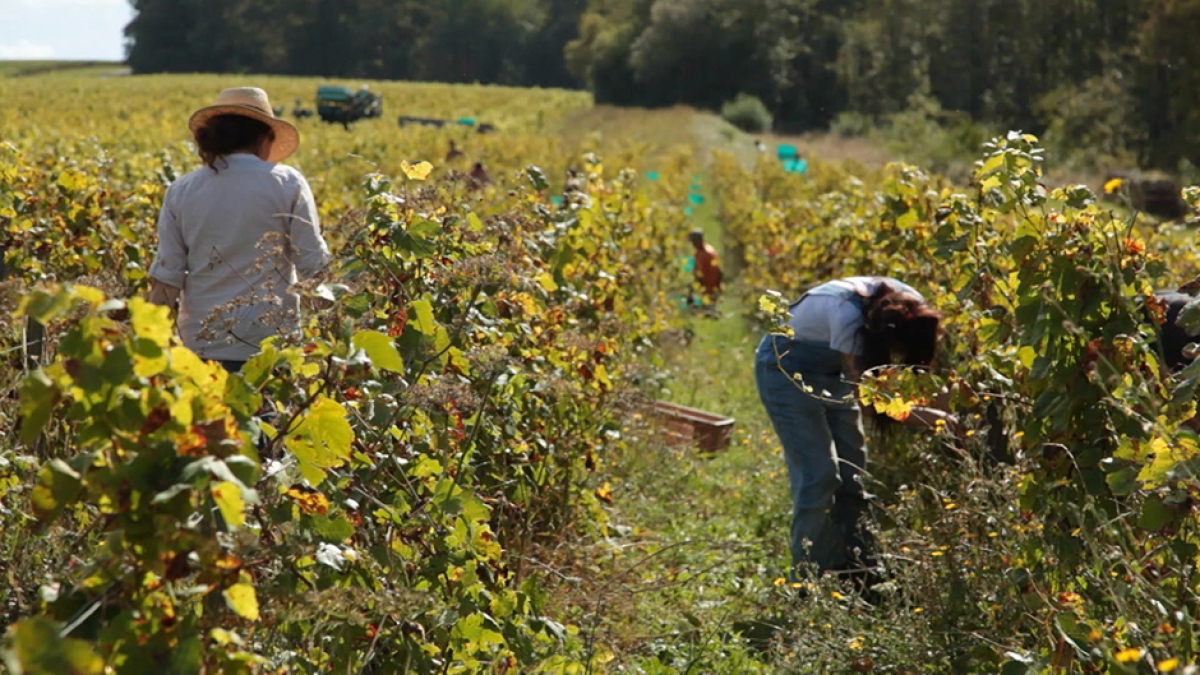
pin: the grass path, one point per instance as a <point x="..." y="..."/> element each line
<point x="702" y="537"/>
<point x="691" y="578"/>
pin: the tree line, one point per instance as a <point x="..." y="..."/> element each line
<point x="515" y="42"/>
<point x="1112" y="77"/>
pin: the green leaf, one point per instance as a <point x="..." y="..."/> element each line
<point x="379" y="349"/>
<point x="42" y="305"/>
<point x="472" y="629"/>
<point x="1123" y="482"/>
<point x="321" y="440"/>
<point x="1189" y="316"/>
<point x="335" y="530"/>
<point x="1155" y="514"/>
<point x="34" y="646"/>
<point x="240" y="397"/>
<point x="187" y="657"/>
<point x="426" y="466"/>
<point x="39" y="396"/>
<point x="425" y="228"/>
<point x="453" y="500"/>
<point x="58" y="485"/>
<point x="242" y="600"/>
<point x="424" y="313"/>
<point x="537" y="177"/>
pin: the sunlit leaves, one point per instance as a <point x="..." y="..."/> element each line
<point x="242" y="599"/>
<point x="72" y="179"/>
<point x="423" y="311"/>
<point x="546" y="281"/>
<point x="321" y="440"/>
<point x="418" y="171"/>
<point x="228" y="497"/>
<point x="379" y="349"/>
<point x="310" y="500"/>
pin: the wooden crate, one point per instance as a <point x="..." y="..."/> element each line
<point x="681" y="424"/>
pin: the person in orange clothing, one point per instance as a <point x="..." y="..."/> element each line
<point x="707" y="270"/>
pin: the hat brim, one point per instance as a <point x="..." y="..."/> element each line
<point x="287" y="137"/>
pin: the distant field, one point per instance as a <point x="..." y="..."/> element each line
<point x="24" y="68"/>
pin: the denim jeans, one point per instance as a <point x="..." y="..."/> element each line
<point x="823" y="447"/>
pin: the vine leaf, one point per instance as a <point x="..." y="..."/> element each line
<point x="418" y="171"/>
<point x="39" y="397"/>
<point x="425" y="321"/>
<point x="322" y="439"/>
<point x="242" y="600"/>
<point x="36" y="647"/>
<point x="379" y="349"/>
<point x="228" y="496"/>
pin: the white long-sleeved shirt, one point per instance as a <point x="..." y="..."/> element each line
<point x="235" y="240"/>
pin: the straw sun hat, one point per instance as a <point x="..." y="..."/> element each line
<point x="251" y="102"/>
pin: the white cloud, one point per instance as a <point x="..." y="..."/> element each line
<point x="24" y="49"/>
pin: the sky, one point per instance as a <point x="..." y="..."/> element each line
<point x="63" y="29"/>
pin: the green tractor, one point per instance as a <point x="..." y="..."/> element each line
<point x="336" y="103"/>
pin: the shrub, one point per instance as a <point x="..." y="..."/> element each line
<point x="748" y="113"/>
<point x="851" y="124"/>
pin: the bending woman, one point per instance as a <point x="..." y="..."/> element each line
<point x="841" y="329"/>
<point x="237" y="233"/>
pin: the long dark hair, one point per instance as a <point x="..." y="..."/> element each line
<point x="898" y="328"/>
<point x="225" y="134"/>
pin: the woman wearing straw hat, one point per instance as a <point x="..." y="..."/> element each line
<point x="237" y="233"/>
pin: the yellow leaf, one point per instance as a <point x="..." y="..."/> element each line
<point x="601" y="375"/>
<point x="150" y="321"/>
<point x="1168" y="664"/>
<point x="898" y="409"/>
<point x="1129" y="654"/>
<point x="418" y="171"/>
<point x="604" y="493"/>
<point x="242" y="600"/>
<point x="228" y="497"/>
<point x="72" y="179"/>
<point x="310" y="500"/>
<point x="547" y="281"/>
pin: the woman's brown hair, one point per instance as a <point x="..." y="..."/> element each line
<point x="898" y="328"/>
<point x="226" y="134"/>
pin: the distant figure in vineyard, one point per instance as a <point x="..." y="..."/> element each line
<point x="479" y="176"/>
<point x="454" y="152"/>
<point x="236" y="234"/>
<point x="707" y="270"/>
<point x="807" y="383"/>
